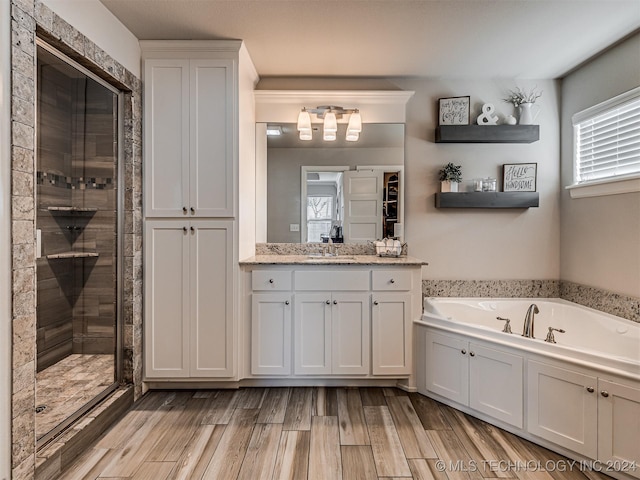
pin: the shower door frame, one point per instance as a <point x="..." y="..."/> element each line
<point x="118" y="354"/>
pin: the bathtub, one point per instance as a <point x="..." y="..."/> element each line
<point x="592" y="338"/>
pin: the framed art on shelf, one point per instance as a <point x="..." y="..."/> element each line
<point x="454" y="110"/>
<point x="519" y="177"/>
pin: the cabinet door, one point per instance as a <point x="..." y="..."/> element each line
<point x="212" y="176"/>
<point x="619" y="424"/>
<point x="312" y="325"/>
<point x="495" y="383"/>
<point x="271" y="334"/>
<point x="562" y="407"/>
<point x="447" y="369"/>
<point x="166" y="299"/>
<point x="350" y="334"/>
<point x="211" y="291"/>
<point x="391" y="324"/>
<point x="166" y="138"/>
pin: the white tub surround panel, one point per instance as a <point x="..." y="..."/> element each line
<point x="196" y="141"/>
<point x="581" y="396"/>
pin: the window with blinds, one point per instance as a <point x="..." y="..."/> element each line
<point x="607" y="139"/>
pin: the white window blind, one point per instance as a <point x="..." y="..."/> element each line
<point x="607" y="139"/>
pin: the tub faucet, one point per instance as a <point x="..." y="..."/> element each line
<point x="527" y="331"/>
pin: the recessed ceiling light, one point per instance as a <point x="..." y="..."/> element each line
<point x="274" y="130"/>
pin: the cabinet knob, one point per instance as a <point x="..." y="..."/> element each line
<point x="392" y="281"/>
<point x="335" y="302"/>
<point x="463" y="351"/>
<point x="184" y="209"/>
<point x="193" y="210"/>
<point x="472" y="354"/>
<point x="328" y="302"/>
<point x="286" y="302"/>
<point x="375" y="302"/>
<point x="271" y="280"/>
<point x="590" y="389"/>
<point x="604" y="393"/>
<point x="193" y="229"/>
<point x="184" y="229"/>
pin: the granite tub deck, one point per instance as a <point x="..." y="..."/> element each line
<point x="339" y="260"/>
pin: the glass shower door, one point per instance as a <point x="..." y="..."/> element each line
<point x="77" y="241"/>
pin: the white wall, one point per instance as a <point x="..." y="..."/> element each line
<point x="600" y="236"/>
<point x="5" y="241"/>
<point x="98" y="24"/>
<point x="477" y="244"/>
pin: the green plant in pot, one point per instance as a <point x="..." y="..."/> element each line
<point x="450" y="177"/>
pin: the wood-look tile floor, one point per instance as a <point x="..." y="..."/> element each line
<point x="68" y="385"/>
<point x="310" y="433"/>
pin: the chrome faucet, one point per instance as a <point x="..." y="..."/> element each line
<point x="527" y="330"/>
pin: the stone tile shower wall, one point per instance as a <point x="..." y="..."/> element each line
<point x="27" y="18"/>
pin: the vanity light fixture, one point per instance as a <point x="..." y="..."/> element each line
<point x="330" y="114"/>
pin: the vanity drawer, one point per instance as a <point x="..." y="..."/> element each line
<point x="391" y="280"/>
<point x="332" y="280"/>
<point x="271" y="280"/>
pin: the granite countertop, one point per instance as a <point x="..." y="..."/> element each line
<point x="339" y="260"/>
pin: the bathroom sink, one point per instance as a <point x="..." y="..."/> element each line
<point x="321" y="258"/>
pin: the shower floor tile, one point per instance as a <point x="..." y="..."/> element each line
<point x="67" y="385"/>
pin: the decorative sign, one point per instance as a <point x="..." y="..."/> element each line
<point x="487" y="116"/>
<point x="519" y="177"/>
<point x="454" y="111"/>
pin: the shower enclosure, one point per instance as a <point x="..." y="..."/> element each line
<point x="78" y="247"/>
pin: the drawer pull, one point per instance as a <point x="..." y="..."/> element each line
<point x="392" y="281"/>
<point x="463" y="351"/>
<point x="604" y="393"/>
<point x="590" y="389"/>
<point x="271" y="280"/>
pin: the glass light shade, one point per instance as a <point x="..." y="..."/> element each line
<point x="304" y="121"/>
<point x="305" y="135"/>
<point x="355" y="123"/>
<point x="329" y="136"/>
<point x="330" y="122"/>
<point x="352" y="136"/>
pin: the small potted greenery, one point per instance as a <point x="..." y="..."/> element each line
<point x="450" y="177"/>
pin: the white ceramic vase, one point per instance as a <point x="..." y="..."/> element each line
<point x="528" y="113"/>
<point x="448" y="186"/>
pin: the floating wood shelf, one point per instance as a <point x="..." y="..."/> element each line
<point x="65" y="255"/>
<point x="488" y="200"/>
<point x="487" y="133"/>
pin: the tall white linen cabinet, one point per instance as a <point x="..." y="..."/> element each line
<point x="199" y="201"/>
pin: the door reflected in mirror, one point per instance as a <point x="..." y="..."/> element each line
<point x="350" y="192"/>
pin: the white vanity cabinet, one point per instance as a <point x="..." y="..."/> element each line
<point x="595" y="416"/>
<point x="188" y="299"/>
<point x="484" y="378"/>
<point x="332" y="333"/>
<point x="188" y="113"/>
<point x="342" y="321"/>
<point x="391" y="321"/>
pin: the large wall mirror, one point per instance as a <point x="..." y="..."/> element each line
<point x="347" y="191"/>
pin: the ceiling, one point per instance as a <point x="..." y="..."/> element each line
<point x="540" y="39"/>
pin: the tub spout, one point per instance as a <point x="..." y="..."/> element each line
<point x="527" y="331"/>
